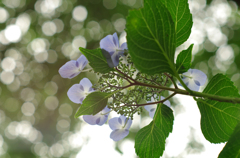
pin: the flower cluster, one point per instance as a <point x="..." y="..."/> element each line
<point x="128" y="98"/>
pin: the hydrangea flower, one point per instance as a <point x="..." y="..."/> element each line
<point x="152" y="108"/>
<point x="78" y="92"/>
<point x="193" y="79"/>
<point x="120" y="126"/>
<point x="72" y="68"/>
<point x="110" y="43"/>
<point x="98" y="119"/>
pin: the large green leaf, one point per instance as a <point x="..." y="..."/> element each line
<point x="218" y="119"/>
<point x="151" y="38"/>
<point x="96" y="60"/>
<point x="184" y="59"/>
<point x="232" y="148"/>
<point x="150" y="140"/>
<point x="182" y="18"/>
<point x="93" y="103"/>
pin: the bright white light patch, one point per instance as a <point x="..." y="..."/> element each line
<point x="8" y="64"/>
<point x="13" y="33"/>
<point x="79" y="13"/>
<point x="7" y="77"/>
<point x="49" y="28"/>
<point x="23" y="21"/>
<point x="4" y="15"/>
<point x="38" y="45"/>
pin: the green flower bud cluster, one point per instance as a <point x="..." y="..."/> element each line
<point x="130" y="97"/>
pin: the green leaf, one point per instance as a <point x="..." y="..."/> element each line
<point x="182" y="18"/>
<point x="151" y="38"/>
<point x="184" y="59"/>
<point x="150" y="140"/>
<point x="232" y="148"/>
<point x="218" y="119"/>
<point x="93" y="103"/>
<point x="96" y="60"/>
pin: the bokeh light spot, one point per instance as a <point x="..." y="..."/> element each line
<point x="27" y="94"/>
<point x="51" y="88"/>
<point x="8" y="64"/>
<point x="4" y="15"/>
<point x="79" y="13"/>
<point x="51" y="102"/>
<point x="7" y="77"/>
<point x="65" y="110"/>
<point x="13" y="33"/>
<point x="28" y="109"/>
<point x="110" y="4"/>
<point x="49" y="28"/>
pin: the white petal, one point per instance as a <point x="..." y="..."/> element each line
<point x="117" y="135"/>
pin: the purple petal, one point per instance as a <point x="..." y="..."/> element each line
<point x="152" y="113"/>
<point x="75" y="94"/>
<point x="69" y="70"/>
<point x="124" y="46"/>
<point x="128" y="124"/>
<point x="117" y="135"/>
<point x="90" y="119"/>
<point x="107" y="44"/>
<point x="82" y="61"/>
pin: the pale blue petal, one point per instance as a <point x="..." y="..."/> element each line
<point x="124" y="46"/>
<point x="91" y="119"/>
<point x="115" y="58"/>
<point x="107" y="44"/>
<point x="167" y="102"/>
<point x="199" y="76"/>
<point x="82" y="61"/>
<point x="117" y="135"/>
<point x="86" y="83"/>
<point x="150" y="107"/>
<point x="191" y="85"/>
<point x="75" y="94"/>
<point x="69" y="69"/>
<point x="115" y="40"/>
<point x="152" y="113"/>
<point x="129" y="123"/>
<point x="114" y="123"/>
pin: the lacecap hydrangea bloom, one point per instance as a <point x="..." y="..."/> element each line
<point x="72" y="68"/>
<point x="78" y="92"/>
<point x="120" y="126"/>
<point x="193" y="79"/>
<point x="152" y="108"/>
<point x="110" y="43"/>
<point x="98" y="119"/>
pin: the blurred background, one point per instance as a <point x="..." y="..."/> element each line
<point x="38" y="36"/>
